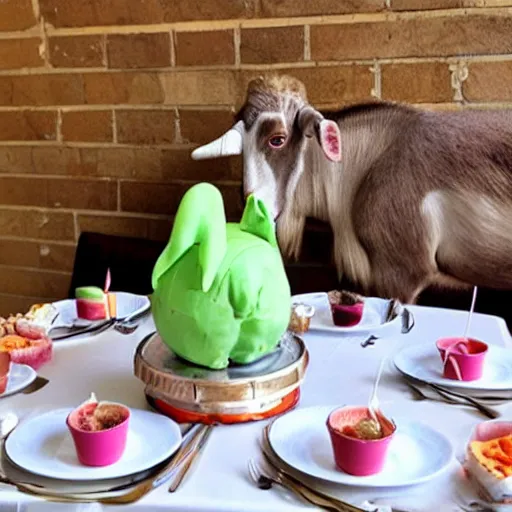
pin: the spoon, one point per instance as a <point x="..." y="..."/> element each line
<point x="462" y="342"/>
<point x="373" y="403"/>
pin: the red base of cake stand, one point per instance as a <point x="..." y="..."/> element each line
<point x="184" y="416"/>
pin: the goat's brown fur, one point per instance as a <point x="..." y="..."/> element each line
<point x="419" y="197"/>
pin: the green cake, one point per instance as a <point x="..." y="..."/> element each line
<point x="220" y="289"/>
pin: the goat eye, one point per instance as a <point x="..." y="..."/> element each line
<point x="276" y="141"/>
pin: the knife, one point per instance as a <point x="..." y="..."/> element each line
<point x="36" y="385"/>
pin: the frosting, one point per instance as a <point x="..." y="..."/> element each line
<point x="90" y="292"/>
<point x="220" y="289"/>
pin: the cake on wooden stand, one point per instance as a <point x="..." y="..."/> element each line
<point x="221" y="306"/>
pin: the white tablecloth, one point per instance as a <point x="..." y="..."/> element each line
<point x="340" y="372"/>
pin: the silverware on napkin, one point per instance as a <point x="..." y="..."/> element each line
<point x="77" y="331"/>
<point x="421" y="390"/>
<point x="189" y="459"/>
<point x="301" y="487"/>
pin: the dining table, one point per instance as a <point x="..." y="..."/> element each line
<point x="340" y="372"/>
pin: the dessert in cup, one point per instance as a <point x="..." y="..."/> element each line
<point x="99" y="431"/>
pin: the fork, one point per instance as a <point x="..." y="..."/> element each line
<point x="265" y="481"/>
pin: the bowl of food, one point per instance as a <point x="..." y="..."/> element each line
<point x="488" y="462"/>
<point x="463" y="358"/>
<point x="99" y="431"/>
<point x="346" y="307"/>
<point x="360" y="444"/>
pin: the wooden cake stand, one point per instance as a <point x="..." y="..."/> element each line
<point x="194" y="394"/>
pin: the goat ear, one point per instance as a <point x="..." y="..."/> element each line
<point x="311" y="122"/>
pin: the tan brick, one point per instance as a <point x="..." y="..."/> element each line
<point x="209" y="48"/>
<point x="88" y="126"/>
<point x="160" y="230"/>
<point x="45" y="90"/>
<point x="23" y="253"/>
<point x="83" y="194"/>
<point x="16" y="159"/>
<point x="139" y="50"/>
<point x="12" y="304"/>
<point x="76" y="51"/>
<point x="57" y="160"/>
<point x="115" y="88"/>
<point x="55" y="193"/>
<point x="145" y="126"/>
<point x="139" y="227"/>
<point x="199" y="87"/>
<point x="185" y="10"/>
<point x="177" y="164"/>
<point x="62" y="13"/>
<point x="164" y="198"/>
<point x="414" y="5"/>
<point x="21" y="281"/>
<point x="288" y="8"/>
<point x="271" y="45"/>
<point x="143" y="163"/>
<point x="333" y="85"/>
<point x="488" y="81"/>
<point x="200" y="126"/>
<point x="20" y="53"/>
<point x="28" y="125"/>
<point x="16" y="15"/>
<point x="428" y="82"/>
<point x="154" y="164"/>
<point x="422" y="37"/>
<point x="36" y="223"/>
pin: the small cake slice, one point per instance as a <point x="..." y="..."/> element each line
<point x="346" y="307"/>
<point x="92" y="303"/>
<point x="489" y="466"/>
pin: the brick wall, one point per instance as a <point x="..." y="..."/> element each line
<point x="101" y="101"/>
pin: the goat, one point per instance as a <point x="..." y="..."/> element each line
<point x="414" y="198"/>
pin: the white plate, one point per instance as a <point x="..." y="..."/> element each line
<point x="20" y="376"/>
<point x="43" y="445"/>
<point x="372" y="320"/>
<point x="126" y="304"/>
<point x="423" y="362"/>
<point x="417" y="453"/>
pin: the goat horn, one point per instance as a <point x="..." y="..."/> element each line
<point x="229" y="144"/>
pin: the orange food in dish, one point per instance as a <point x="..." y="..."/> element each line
<point x="13" y="342"/>
<point x="495" y="455"/>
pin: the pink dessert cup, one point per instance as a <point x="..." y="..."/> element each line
<point x="466" y="358"/>
<point x="99" y="447"/>
<point x="5" y="366"/>
<point x="347" y="315"/>
<point x="358" y="457"/>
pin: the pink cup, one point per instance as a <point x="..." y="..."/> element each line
<point x="345" y="315"/>
<point x="358" y="457"/>
<point x="465" y="357"/>
<point x="100" y="447"/>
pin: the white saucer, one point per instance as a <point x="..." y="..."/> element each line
<point x="423" y="362"/>
<point x="372" y="320"/>
<point x="126" y="304"/>
<point x="417" y="453"/>
<point x="20" y="376"/>
<point x="43" y="445"/>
